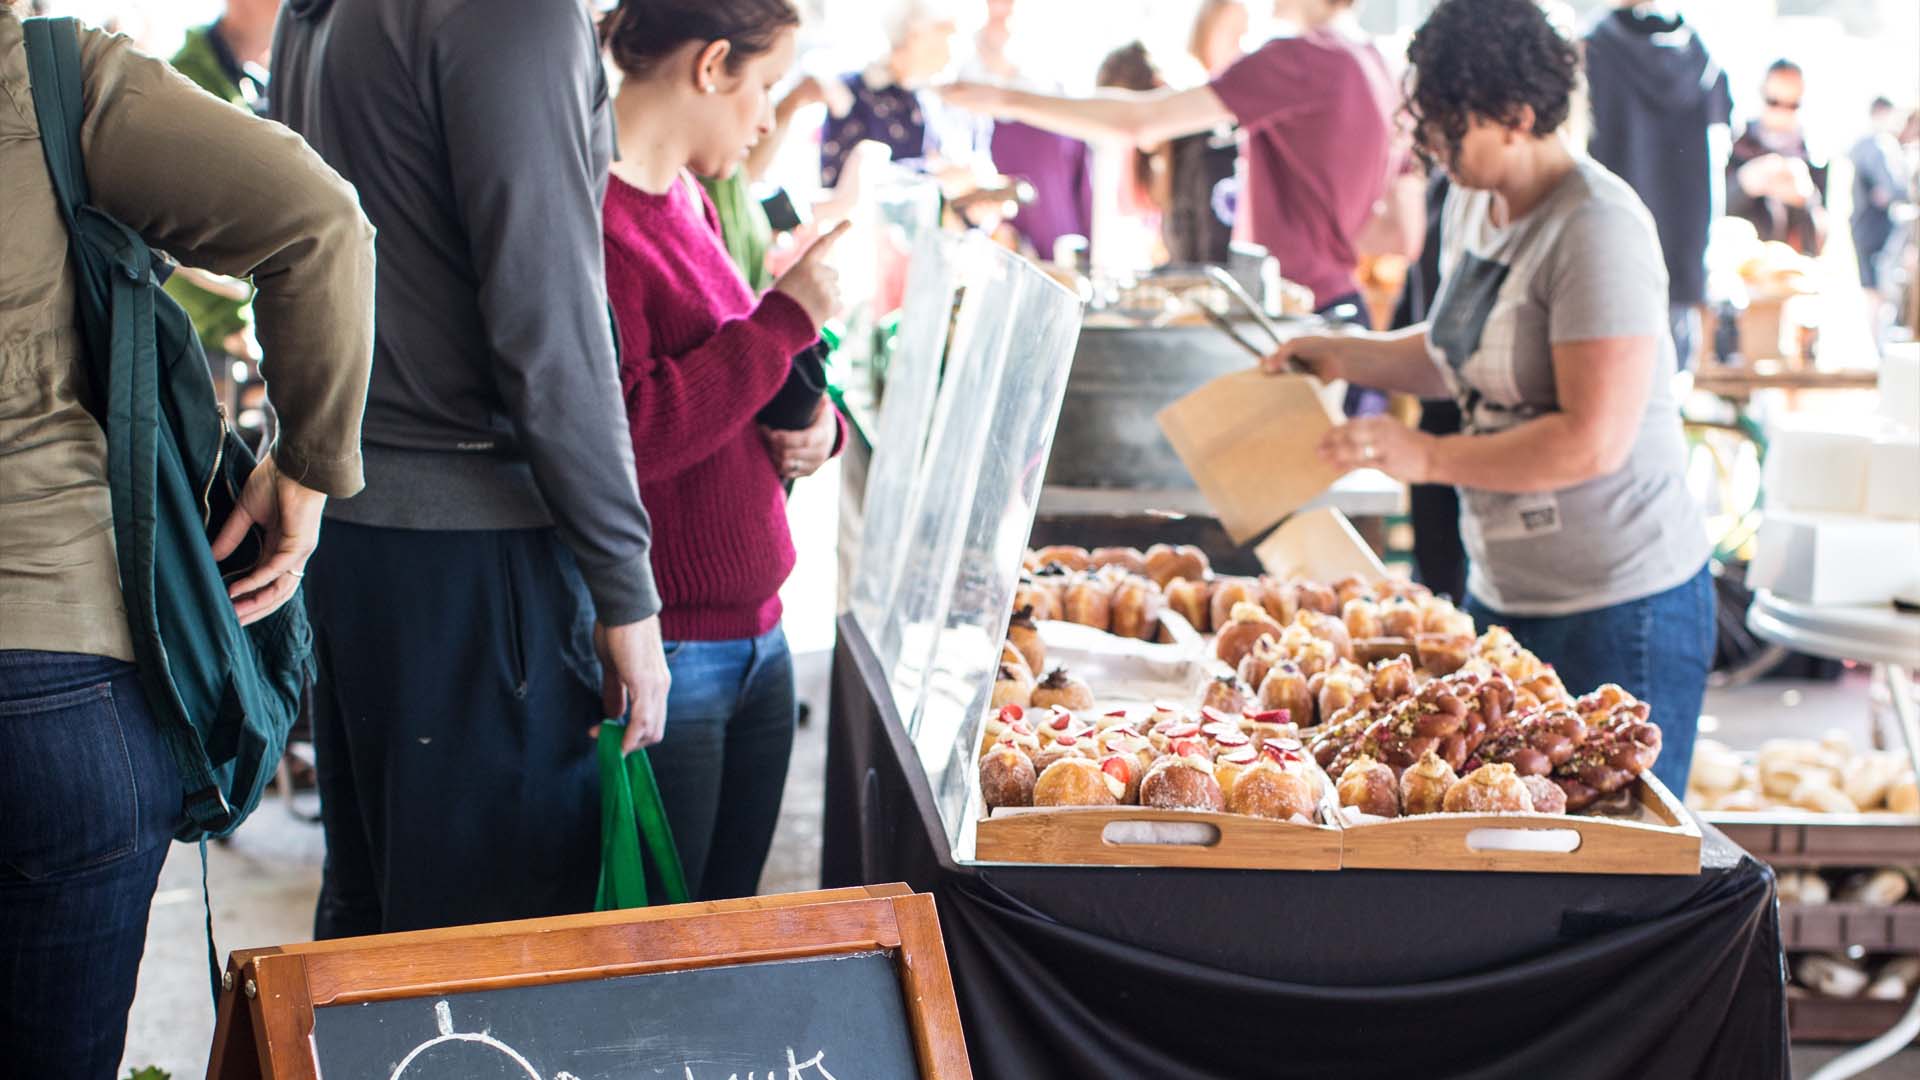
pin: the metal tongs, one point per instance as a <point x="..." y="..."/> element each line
<point x="1309" y="324"/>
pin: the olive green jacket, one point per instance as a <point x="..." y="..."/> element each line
<point x="164" y="158"/>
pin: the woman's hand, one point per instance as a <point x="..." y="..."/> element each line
<point x="289" y="513"/>
<point x="811" y="283"/>
<point x="801" y="453"/>
<point x="1319" y="355"/>
<point x="1380" y="442"/>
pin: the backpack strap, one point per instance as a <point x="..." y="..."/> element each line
<point x="60" y="105"/>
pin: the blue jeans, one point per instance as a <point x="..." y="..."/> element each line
<point x="1659" y="648"/>
<point x="723" y="762"/>
<point x="89" y="800"/>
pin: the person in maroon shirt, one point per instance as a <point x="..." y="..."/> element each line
<point x="1314" y="111"/>
<point x="701" y="355"/>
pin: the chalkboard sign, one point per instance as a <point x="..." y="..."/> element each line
<point x="834" y="1016"/>
<point x="836" y="985"/>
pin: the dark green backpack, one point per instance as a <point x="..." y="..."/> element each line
<point x="224" y="695"/>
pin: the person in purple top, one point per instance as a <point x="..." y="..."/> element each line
<point x="1314" y="110"/>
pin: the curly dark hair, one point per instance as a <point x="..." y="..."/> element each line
<point x="1487" y="58"/>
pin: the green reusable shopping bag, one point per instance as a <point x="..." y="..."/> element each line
<point x="633" y="829"/>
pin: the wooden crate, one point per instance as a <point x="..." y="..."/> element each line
<point x="1556" y="844"/>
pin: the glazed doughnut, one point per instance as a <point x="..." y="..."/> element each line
<point x="1065" y="746"/>
<point x="1399" y="617"/>
<point x="1076" y="781"/>
<point x="1062" y="689"/>
<point x="1136" y="609"/>
<point x="1228" y="592"/>
<point x="1248" y="624"/>
<point x="1273" y="726"/>
<point x="1165" y="562"/>
<point x="1128" y="559"/>
<point x="1442" y="654"/>
<point x="1067" y="555"/>
<point x="1259" y="661"/>
<point x="1489" y="789"/>
<point x="1391" y="680"/>
<point x="1128" y="771"/>
<point x="1328" y="628"/>
<point x="1189" y="598"/>
<point x="1227" y="694"/>
<point x="1264" y="789"/>
<point x="1227" y="767"/>
<point x="1006" y="777"/>
<point x="1335" y="737"/>
<point x="1547" y="796"/>
<point x="1013" y="658"/>
<point x="1014" y="686"/>
<point x="1312" y="596"/>
<point x="1424" y="786"/>
<point x="1280" y="598"/>
<point x="1089" y="602"/>
<point x="1025" y="636"/>
<point x="1351" y="588"/>
<point x="1285" y="688"/>
<point x="1179" y="782"/>
<point x="1370" y="787"/>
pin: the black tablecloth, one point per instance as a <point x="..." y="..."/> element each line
<point x="1095" y="972"/>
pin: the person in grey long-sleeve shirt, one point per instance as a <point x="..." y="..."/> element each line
<point x="500" y="535"/>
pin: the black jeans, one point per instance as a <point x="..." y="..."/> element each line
<point x="457" y="685"/>
<point x="89" y="801"/>
<point x="723" y="763"/>
<point x="1439" y="557"/>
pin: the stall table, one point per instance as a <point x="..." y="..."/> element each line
<point x="1889" y="640"/>
<point x="1171" y="973"/>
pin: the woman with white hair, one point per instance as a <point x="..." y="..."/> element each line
<point x="882" y="103"/>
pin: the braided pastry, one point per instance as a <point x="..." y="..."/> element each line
<point x="1431" y="719"/>
<point x="1537" y="743"/>
<point x="1620" y="745"/>
<point x="1331" y="740"/>
<point x="1392" y="679"/>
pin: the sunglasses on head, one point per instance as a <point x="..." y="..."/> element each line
<point x="1776" y="103"/>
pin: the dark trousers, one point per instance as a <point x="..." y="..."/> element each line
<point x="89" y="801"/>
<point x="723" y="763"/>
<point x="1352" y="310"/>
<point x="1659" y="648"/>
<point x="456" y="688"/>
<point x="1439" y="558"/>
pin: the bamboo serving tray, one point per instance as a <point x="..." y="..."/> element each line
<point x="1108" y="836"/>
<point x="1533" y="843"/>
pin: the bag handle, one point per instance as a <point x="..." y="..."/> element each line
<point x="60" y="106"/>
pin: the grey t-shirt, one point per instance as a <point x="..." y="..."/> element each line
<point x="1584" y="264"/>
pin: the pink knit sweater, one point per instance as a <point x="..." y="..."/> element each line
<point x="699" y="357"/>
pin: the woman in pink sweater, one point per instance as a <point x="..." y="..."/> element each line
<point x="700" y="356"/>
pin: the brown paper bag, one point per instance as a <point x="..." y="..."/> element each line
<point x="1319" y="544"/>
<point x="1248" y="439"/>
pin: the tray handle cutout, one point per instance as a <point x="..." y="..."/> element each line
<point x="1550" y="841"/>
<point x="1172" y="833"/>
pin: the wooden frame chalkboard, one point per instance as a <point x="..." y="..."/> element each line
<point x="266" y="1008"/>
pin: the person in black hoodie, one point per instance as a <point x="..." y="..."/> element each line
<point x="460" y="600"/>
<point x="1661" y="110"/>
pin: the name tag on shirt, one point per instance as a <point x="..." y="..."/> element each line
<point x="1504" y="518"/>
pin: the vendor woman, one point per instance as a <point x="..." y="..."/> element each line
<point x="1550" y="327"/>
<point x="1314" y="111"/>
